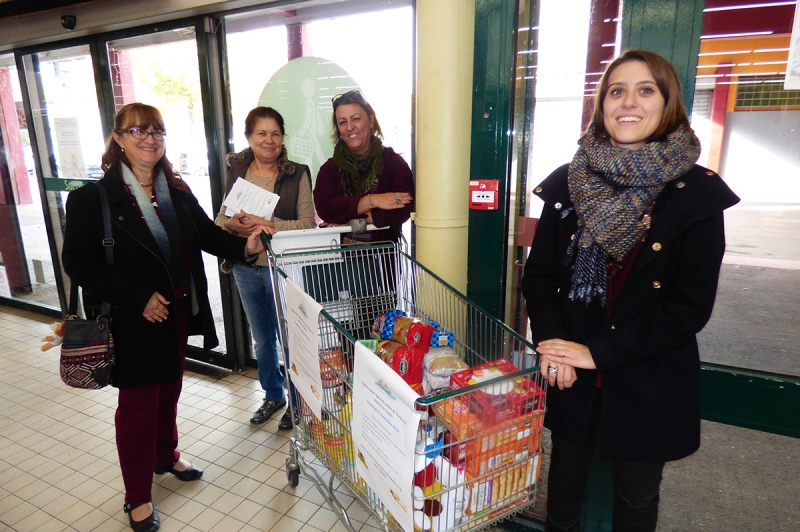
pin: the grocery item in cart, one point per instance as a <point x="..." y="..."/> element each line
<point x="411" y="332"/>
<point x="453" y="478"/>
<point x="330" y="366"/>
<point x="490" y="496"/>
<point x="405" y="361"/>
<point x="442" y="339"/>
<point x="382" y="327"/>
<point x="455" y="415"/>
<point x="437" y="366"/>
<point x="500" y="402"/>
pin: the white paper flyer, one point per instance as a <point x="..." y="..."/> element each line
<point x="302" y="323"/>
<point x="250" y="198"/>
<point x="70" y="155"/>
<point x="385" y="426"/>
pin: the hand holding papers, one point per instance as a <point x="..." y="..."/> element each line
<point x="247" y="197"/>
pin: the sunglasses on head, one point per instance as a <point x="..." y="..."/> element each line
<point x="355" y="94"/>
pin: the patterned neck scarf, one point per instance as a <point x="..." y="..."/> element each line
<point x="358" y="172"/>
<point x="611" y="188"/>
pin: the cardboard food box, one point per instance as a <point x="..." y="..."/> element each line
<point x="510" y="487"/>
<point x="455" y="415"/>
<point x="519" y="433"/>
<point x="503" y="401"/>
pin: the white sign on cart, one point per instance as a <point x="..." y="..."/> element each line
<point x="385" y="426"/>
<point x="302" y="323"/>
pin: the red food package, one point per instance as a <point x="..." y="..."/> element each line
<point x="413" y="333"/>
<point x="404" y="361"/>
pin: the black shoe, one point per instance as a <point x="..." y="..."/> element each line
<point x="286" y="420"/>
<point x="187" y="475"/>
<point x="266" y="411"/>
<point x="149" y="524"/>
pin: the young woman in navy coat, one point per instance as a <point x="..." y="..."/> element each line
<point x="621" y="277"/>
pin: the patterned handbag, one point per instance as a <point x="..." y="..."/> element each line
<point x="87" y="350"/>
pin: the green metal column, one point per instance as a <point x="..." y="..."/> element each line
<point x="492" y="93"/>
<point x="668" y="27"/>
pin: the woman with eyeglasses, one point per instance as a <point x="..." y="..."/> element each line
<point x="364" y="178"/>
<point x="157" y="289"/>
<point x="266" y="164"/>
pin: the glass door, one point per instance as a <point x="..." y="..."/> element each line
<point x="162" y="69"/>
<point x="66" y="143"/>
<point x="26" y="269"/>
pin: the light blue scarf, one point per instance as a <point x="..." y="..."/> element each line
<point x="166" y="229"/>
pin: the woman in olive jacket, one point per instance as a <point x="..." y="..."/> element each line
<point x="157" y="290"/>
<point x="621" y="277"/>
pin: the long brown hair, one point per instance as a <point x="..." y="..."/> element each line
<point x="143" y="116"/>
<point x="668" y="83"/>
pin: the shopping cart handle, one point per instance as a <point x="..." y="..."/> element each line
<point x="266" y="238"/>
<point x="360" y="225"/>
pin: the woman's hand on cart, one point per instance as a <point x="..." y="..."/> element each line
<point x="254" y="243"/>
<point x="559" y="360"/>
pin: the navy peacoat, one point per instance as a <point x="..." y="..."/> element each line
<point x="645" y="347"/>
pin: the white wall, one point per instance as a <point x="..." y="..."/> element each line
<point x="761" y="158"/>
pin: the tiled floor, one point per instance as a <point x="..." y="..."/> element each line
<point x="59" y="468"/>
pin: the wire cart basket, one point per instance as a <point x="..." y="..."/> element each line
<point x="478" y="455"/>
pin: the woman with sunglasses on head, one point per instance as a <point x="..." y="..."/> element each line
<point x="157" y="289"/>
<point x="266" y="164"/>
<point x="621" y="277"/>
<point x="364" y="178"/>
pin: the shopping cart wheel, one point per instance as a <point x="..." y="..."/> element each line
<point x="293" y="475"/>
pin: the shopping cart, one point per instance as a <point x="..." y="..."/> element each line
<point x="484" y="445"/>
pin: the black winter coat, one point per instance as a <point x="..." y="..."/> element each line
<point x="146" y="353"/>
<point x="646" y="349"/>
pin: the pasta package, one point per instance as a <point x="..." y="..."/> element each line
<point x="383" y="325"/>
<point x="412" y="332"/>
<point x="405" y="361"/>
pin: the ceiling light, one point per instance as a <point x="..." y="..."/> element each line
<point x="744" y="34"/>
<point x="764" y="50"/>
<point x="749" y="6"/>
<point x="706" y="54"/>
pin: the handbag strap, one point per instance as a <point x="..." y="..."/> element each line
<point x="108" y="245"/>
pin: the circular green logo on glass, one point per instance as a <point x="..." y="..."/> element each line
<point x="301" y="91"/>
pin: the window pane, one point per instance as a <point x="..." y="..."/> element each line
<point x="748" y="123"/>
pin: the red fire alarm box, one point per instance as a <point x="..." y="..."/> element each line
<point x="484" y="194"/>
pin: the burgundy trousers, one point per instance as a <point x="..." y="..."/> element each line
<point x="146" y="423"/>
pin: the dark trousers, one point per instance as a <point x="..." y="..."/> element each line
<point x="146" y="426"/>
<point x="636" y="484"/>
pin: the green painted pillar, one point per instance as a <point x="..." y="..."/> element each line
<point x="492" y="87"/>
<point x="668" y="27"/>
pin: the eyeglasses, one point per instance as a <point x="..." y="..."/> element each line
<point x="141" y="134"/>
<point x="356" y="96"/>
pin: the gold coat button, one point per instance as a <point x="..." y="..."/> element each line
<point x="557" y="206"/>
<point x="121" y="218"/>
<point x="613" y="327"/>
<point x="709" y="172"/>
<point x="656" y="246"/>
<point x="656" y="284"/>
<point x="537" y="189"/>
<point x="572" y="236"/>
<point x="680" y="184"/>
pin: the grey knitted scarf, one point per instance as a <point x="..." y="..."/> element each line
<point x="611" y="188"/>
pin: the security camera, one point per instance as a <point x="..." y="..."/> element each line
<point x="68" y="22"/>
